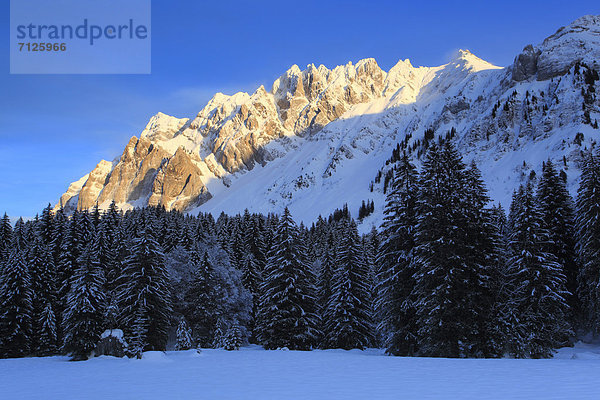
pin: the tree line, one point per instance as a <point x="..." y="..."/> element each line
<point x="445" y="275"/>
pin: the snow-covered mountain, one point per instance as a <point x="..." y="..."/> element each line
<point x="320" y="137"/>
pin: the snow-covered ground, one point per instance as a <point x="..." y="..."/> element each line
<point x="253" y="373"/>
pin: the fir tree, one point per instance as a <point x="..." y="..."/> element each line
<point x="19" y="235"/>
<point x="538" y="284"/>
<point x="452" y="257"/>
<point x="484" y="249"/>
<point x="43" y="284"/>
<point x="46" y="225"/>
<point x="5" y="239"/>
<point x="145" y="298"/>
<point x="556" y="208"/>
<point x="325" y="282"/>
<point x="287" y="305"/>
<point x="252" y="279"/>
<point x="233" y="338"/>
<point x="184" y="336"/>
<point x="201" y="299"/>
<point x="70" y="250"/>
<point x="48" y="333"/>
<point x="84" y="315"/>
<point x="395" y="269"/>
<point x="219" y="334"/>
<point x="588" y="241"/>
<point x="16" y="307"/>
<point x="348" y="312"/>
<point x="119" y="252"/>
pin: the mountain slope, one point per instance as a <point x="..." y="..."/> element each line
<point x="321" y="137"/>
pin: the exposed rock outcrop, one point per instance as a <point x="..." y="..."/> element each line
<point x="577" y="42"/>
<point x="327" y="127"/>
<point x="525" y="65"/>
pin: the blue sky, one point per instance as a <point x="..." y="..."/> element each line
<point x="55" y="128"/>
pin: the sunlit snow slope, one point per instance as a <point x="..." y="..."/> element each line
<point x="320" y="136"/>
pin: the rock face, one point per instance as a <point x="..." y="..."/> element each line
<point x="174" y="157"/>
<point x="577" y="42"/>
<point x="178" y="184"/>
<point x="319" y="137"/>
<point x="145" y="174"/>
<point x="525" y="65"/>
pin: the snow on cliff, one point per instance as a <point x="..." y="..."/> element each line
<point x="320" y="136"/>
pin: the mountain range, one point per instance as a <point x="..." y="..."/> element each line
<point x="320" y="137"/>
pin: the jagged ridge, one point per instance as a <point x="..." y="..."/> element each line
<point x="320" y="135"/>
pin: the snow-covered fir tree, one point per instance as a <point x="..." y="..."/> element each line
<point x="452" y="258"/>
<point x="145" y="298"/>
<point x="221" y="329"/>
<point x="44" y="287"/>
<point x="84" y="313"/>
<point x="202" y="299"/>
<point x="16" y="308"/>
<point x="45" y="227"/>
<point x="233" y="338"/>
<point x="485" y="247"/>
<point x="184" y="336"/>
<point x="556" y="208"/>
<point x="287" y="304"/>
<point x="119" y="251"/>
<point x="325" y="282"/>
<point x="349" y="309"/>
<point x="5" y="239"/>
<point x="588" y="241"/>
<point x="538" y="289"/>
<point x="19" y="235"/>
<point x="394" y="264"/>
<point x="47" y="334"/>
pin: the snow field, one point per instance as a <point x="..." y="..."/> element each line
<point x="253" y="373"/>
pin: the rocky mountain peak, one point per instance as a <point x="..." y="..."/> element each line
<point x="576" y="42"/>
<point x="329" y="130"/>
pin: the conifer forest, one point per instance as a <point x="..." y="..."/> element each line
<point x="446" y="275"/>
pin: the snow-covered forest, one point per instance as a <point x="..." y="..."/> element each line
<point x="446" y="275"/>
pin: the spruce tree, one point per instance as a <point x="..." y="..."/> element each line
<point x="395" y="269"/>
<point x="556" y="208"/>
<point x="145" y="298"/>
<point x="287" y="305"/>
<point x="84" y="314"/>
<point x="44" y="287"/>
<point x="68" y="255"/>
<point x="46" y="225"/>
<point x="19" y="235"/>
<point x="5" y="239"/>
<point x="588" y="240"/>
<point x="538" y="283"/>
<point x="219" y="334"/>
<point x="119" y="251"/>
<point x="484" y="252"/>
<point x="47" y="335"/>
<point x="16" y="307"/>
<point x="452" y="258"/>
<point x="202" y="308"/>
<point x="233" y="338"/>
<point x="325" y="282"/>
<point x="349" y="314"/>
<point x="184" y="336"/>
<point x="252" y="279"/>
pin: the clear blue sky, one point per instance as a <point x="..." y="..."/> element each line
<point x="54" y="129"/>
